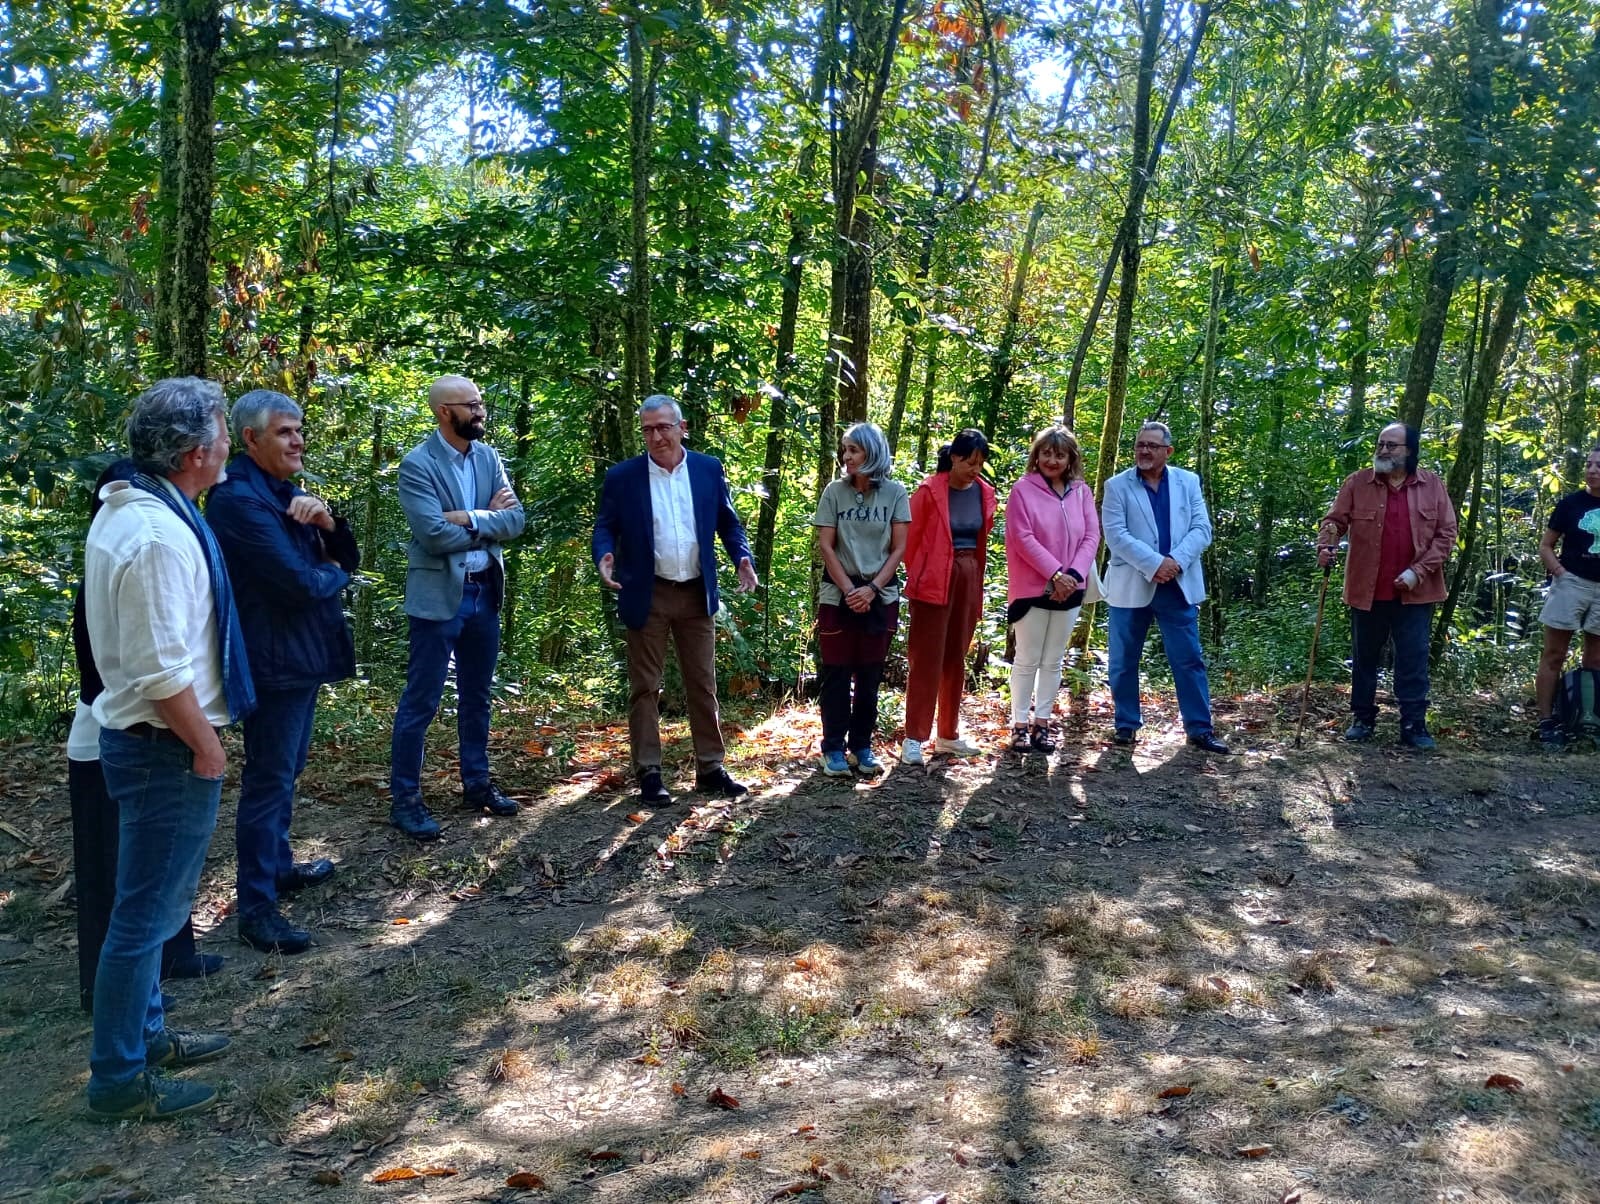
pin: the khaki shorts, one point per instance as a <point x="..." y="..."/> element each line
<point x="1573" y="604"/>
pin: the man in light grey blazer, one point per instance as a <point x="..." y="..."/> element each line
<point x="1156" y="527"/>
<point x="460" y="506"/>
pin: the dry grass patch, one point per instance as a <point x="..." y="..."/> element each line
<point x="1134" y="1001"/>
<point x="630" y="983"/>
<point x="1313" y="970"/>
<point x="1209" y="994"/>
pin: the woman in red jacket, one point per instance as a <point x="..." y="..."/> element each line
<point x="1051" y="536"/>
<point x="952" y="514"/>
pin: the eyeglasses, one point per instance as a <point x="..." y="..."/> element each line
<point x="1390" y="444"/>
<point x="475" y="407"/>
<point x="1146" y="446"/>
<point x="659" y="428"/>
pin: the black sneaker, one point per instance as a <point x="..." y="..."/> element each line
<point x="413" y="818"/>
<point x="1418" y="738"/>
<point x="1551" y="734"/>
<point x="651" y="792"/>
<point x="196" y="965"/>
<point x="304" y="874"/>
<point x="176" y="1048"/>
<point x="271" y="933"/>
<point x="1209" y="743"/>
<point x="1360" y="731"/>
<point x="718" y="784"/>
<point x="152" y="1096"/>
<point x="489" y="800"/>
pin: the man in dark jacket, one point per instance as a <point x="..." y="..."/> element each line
<point x="290" y="560"/>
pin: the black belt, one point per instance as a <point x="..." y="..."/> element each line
<point x="481" y="577"/>
<point x="149" y="731"/>
<point x="693" y="581"/>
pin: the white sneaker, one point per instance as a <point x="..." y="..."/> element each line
<point x="911" y="752"/>
<point x="956" y="748"/>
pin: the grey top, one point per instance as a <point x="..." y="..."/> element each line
<point x="966" y="516"/>
<point x="862" y="532"/>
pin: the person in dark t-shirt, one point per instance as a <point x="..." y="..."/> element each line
<point x="1573" y="603"/>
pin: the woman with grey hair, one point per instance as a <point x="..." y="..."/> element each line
<point x="862" y="521"/>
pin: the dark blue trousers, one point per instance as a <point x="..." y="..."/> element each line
<point x="1409" y="626"/>
<point x="277" y="738"/>
<point x="472" y="639"/>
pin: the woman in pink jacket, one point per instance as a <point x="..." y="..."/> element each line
<point x="1052" y="532"/>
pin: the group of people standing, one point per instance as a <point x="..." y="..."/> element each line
<point x="1156" y="527"/>
<point x="190" y="623"/>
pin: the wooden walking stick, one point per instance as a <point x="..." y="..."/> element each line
<point x="1311" y="661"/>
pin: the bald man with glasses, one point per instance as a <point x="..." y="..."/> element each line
<point x="460" y="507"/>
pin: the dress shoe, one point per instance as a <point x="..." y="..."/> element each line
<point x="151" y="1097"/>
<point x="651" y="792"/>
<point x="488" y="799"/>
<point x="303" y="874"/>
<point x="196" y="965"/>
<point x="271" y="933"/>
<point x="1360" y="731"/>
<point x="413" y="818"/>
<point x="1210" y="744"/>
<point x="718" y="784"/>
<point x="176" y="1048"/>
<point x="1123" y="736"/>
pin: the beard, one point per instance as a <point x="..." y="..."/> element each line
<point x="1383" y="464"/>
<point x="467" y="428"/>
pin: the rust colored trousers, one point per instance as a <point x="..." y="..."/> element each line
<point x="936" y="651"/>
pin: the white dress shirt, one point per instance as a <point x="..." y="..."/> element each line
<point x="477" y="558"/>
<point x="151" y="617"/>
<point x="672" y="513"/>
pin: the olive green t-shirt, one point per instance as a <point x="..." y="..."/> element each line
<point x="862" y="531"/>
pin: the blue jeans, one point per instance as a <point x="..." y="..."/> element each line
<point x="473" y="638"/>
<point x="167" y="815"/>
<point x="1409" y="625"/>
<point x="277" y="738"/>
<point x="1126" y="629"/>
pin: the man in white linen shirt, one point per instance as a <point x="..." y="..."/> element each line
<point x="654" y="543"/>
<point x="158" y="608"/>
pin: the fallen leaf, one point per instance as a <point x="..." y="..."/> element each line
<point x="604" y="1156"/>
<point x="343" y="1055"/>
<point x="647" y="1059"/>
<point x="1219" y="983"/>
<point x="327" y="1178"/>
<point x="314" y="1041"/>
<point x="1503" y="1082"/>
<point x="721" y="1099"/>
<point x="751" y="1155"/>
<point x="526" y="1181"/>
<point x="637" y="817"/>
<point x="797" y="1188"/>
<point x="677" y="1089"/>
<point x="1254" y="1151"/>
<point x="396" y="1174"/>
<point x="1175" y="1092"/>
<point x="400" y="920"/>
<point x="803" y="1130"/>
<point x="802" y="964"/>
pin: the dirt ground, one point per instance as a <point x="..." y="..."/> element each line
<point x="1159" y="977"/>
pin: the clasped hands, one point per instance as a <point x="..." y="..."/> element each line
<point x="1166" y="571"/>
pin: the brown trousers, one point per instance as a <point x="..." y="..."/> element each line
<point x="936" y="651"/>
<point x="677" y="609"/>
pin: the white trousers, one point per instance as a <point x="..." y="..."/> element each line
<point x="1041" y="641"/>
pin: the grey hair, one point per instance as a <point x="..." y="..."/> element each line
<point x="1153" y="425"/>
<point x="879" y="463"/>
<point x="251" y="412"/>
<point x="171" y="418"/>
<point x="660" y="401"/>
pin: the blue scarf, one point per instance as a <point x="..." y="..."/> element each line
<point x="237" y="686"/>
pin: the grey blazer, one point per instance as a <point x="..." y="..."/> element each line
<point x="1129" y="523"/>
<point x="436" y="557"/>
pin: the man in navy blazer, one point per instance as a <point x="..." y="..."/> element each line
<point x="1156" y="526"/>
<point x="461" y="508"/>
<point x="658" y="516"/>
<point x="289" y="560"/>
